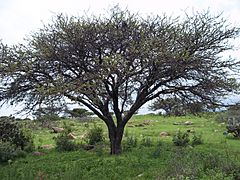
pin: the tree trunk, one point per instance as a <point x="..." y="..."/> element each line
<point x="115" y="136"/>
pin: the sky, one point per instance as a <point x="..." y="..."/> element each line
<point x="20" y="18"/>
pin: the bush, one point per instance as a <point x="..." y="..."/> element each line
<point x="95" y="135"/>
<point x="181" y="138"/>
<point x="18" y="153"/>
<point x="146" y="141"/>
<point x="158" y="150"/>
<point x="130" y="142"/>
<point x="6" y="151"/>
<point x="63" y="143"/>
<point x="12" y="132"/>
<point x="197" y="139"/>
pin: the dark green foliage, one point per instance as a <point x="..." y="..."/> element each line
<point x="6" y="151"/>
<point x="181" y="138"/>
<point x="130" y="142"/>
<point x="13" y="132"/>
<point x="18" y="153"/>
<point x="67" y="127"/>
<point x="95" y="135"/>
<point x="48" y="113"/>
<point x="63" y="143"/>
<point x="79" y="113"/>
<point x="196" y="139"/>
<point x="146" y="141"/>
<point x="158" y="150"/>
<point x="184" y="138"/>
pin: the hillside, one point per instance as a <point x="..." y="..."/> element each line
<point x="149" y="152"/>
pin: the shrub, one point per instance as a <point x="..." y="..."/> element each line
<point x="197" y="139"/>
<point x="130" y="142"/>
<point x="12" y="132"/>
<point x="146" y="141"/>
<point x="6" y="151"/>
<point x="63" y="143"/>
<point x="158" y="150"/>
<point x="18" y="153"/>
<point x="67" y="127"/>
<point x="95" y="135"/>
<point x="99" y="149"/>
<point x="181" y="138"/>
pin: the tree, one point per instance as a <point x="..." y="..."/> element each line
<point x="178" y="107"/>
<point x="79" y="113"/>
<point x="120" y="61"/>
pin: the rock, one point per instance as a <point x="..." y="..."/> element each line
<point x="164" y="134"/>
<point x="176" y="123"/>
<point x="47" y="146"/>
<point x="57" y="129"/>
<point x="188" y="123"/>
<point x="140" y="175"/>
<point x="37" y="153"/>
<point x="71" y="136"/>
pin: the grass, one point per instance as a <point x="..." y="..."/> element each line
<point x="217" y="158"/>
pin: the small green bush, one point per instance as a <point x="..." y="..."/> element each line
<point x="181" y="138"/>
<point x="158" y="150"/>
<point x="130" y="142"/>
<point x="67" y="127"/>
<point x="197" y="139"/>
<point x="13" y="132"/>
<point x="18" y="153"/>
<point x="63" y="143"/>
<point x="146" y="141"/>
<point x="6" y="151"/>
<point x="95" y="135"/>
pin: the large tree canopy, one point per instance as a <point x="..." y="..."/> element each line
<point x="120" y="61"/>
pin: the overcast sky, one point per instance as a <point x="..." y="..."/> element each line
<point x="18" y="18"/>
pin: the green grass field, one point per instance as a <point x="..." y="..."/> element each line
<point x="217" y="158"/>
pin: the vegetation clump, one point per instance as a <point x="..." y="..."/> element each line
<point x="6" y="151"/>
<point x="181" y="138"/>
<point x="184" y="139"/>
<point x="14" y="133"/>
<point x="95" y="135"/>
<point x="64" y="143"/>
